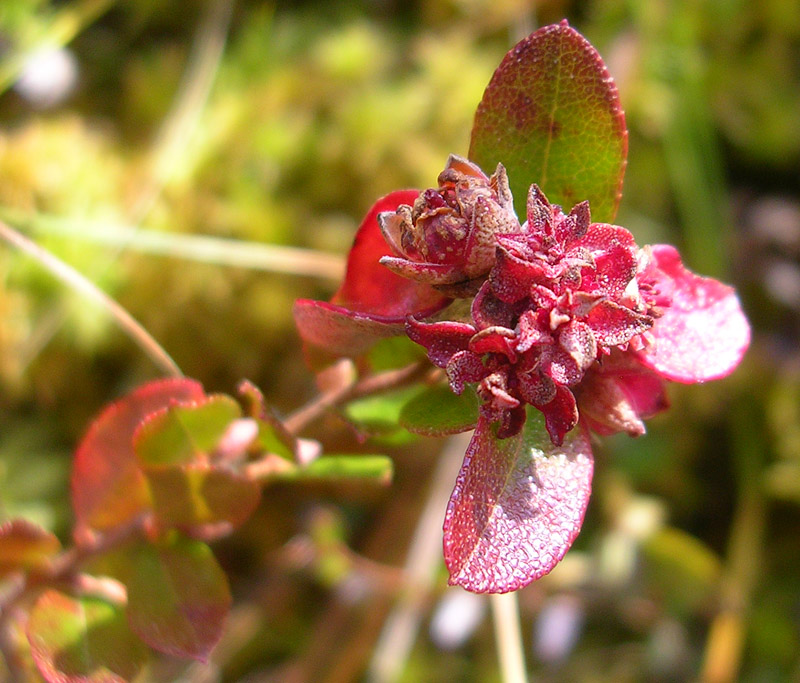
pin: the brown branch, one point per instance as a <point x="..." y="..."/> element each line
<point x="373" y="384"/>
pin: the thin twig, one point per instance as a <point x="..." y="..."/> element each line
<point x="203" y="248"/>
<point x="508" y="634"/>
<point x="373" y="384"/>
<point x="74" y="280"/>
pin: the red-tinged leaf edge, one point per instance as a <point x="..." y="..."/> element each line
<point x="82" y="640"/>
<point x="184" y="432"/>
<point x="108" y="488"/>
<point x="535" y="118"/>
<point x="517" y="506"/>
<point x="25" y="546"/>
<point x="372" y="302"/>
<point x="178" y="598"/>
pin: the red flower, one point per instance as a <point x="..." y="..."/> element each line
<point x="570" y="302"/>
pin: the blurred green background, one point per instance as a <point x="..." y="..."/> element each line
<point x="128" y="127"/>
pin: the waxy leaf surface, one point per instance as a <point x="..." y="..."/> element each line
<point x="372" y="302"/>
<point x="517" y="506"/>
<point x="551" y="115"/>
<point x="83" y="640"/>
<point x="25" y="546"/>
<point x="178" y="598"/>
<point x="108" y="488"/>
<point x="439" y="412"/>
<point x="703" y="334"/>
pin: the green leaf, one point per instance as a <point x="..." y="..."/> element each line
<point x="551" y="115"/>
<point x="25" y="546"/>
<point x="83" y="640"/>
<point x="198" y="494"/>
<point x="380" y="412"/>
<point x="439" y="412"/>
<point x="178" y="598"/>
<point x="378" y="467"/>
<point x="181" y="433"/>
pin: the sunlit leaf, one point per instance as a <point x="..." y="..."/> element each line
<point x="108" y="487"/>
<point x="439" y="412"/>
<point x="372" y="302"/>
<point x="551" y="115"/>
<point x="517" y="506"/>
<point x="25" y="546"/>
<point x="192" y="495"/>
<point x="178" y="598"/>
<point x="183" y="432"/>
<point x="378" y="467"/>
<point x="83" y="640"/>
<point x="380" y="412"/>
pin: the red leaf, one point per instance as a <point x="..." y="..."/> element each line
<point x="82" y="640"/>
<point x="703" y="334"/>
<point x="178" y="598"/>
<point x="108" y="487"/>
<point x="372" y="302"/>
<point x="25" y="546"/>
<point x="517" y="506"/>
<point x="551" y="114"/>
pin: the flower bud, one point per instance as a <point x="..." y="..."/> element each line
<point x="447" y="238"/>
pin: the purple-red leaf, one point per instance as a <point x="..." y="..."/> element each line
<point x="108" y="487"/>
<point x="178" y="598"/>
<point x="517" y="506"/>
<point x="25" y="546"/>
<point x="703" y="334"/>
<point x="551" y="114"/>
<point x="372" y="302"/>
<point x="82" y="640"/>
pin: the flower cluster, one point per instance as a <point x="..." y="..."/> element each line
<point x="562" y="294"/>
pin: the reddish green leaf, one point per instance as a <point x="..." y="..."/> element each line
<point x="82" y="640"/>
<point x="178" y="598"/>
<point x="517" y="506"/>
<point x="372" y="302"/>
<point x="193" y="495"/>
<point x="108" y="487"/>
<point x="183" y="433"/>
<point x="551" y="115"/>
<point x="439" y="412"/>
<point x="25" y="546"/>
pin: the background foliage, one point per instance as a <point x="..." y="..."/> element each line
<point x="285" y="135"/>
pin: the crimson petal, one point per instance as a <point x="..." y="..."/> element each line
<point x="517" y="506"/>
<point x="372" y="302"/>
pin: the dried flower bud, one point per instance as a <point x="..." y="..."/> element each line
<point x="447" y="238"/>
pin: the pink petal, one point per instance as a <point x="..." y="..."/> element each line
<point x="704" y="333"/>
<point x="517" y="506"/>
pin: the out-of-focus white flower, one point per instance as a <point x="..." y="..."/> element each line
<point x="456" y="617"/>
<point x="48" y="76"/>
<point x="558" y="627"/>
